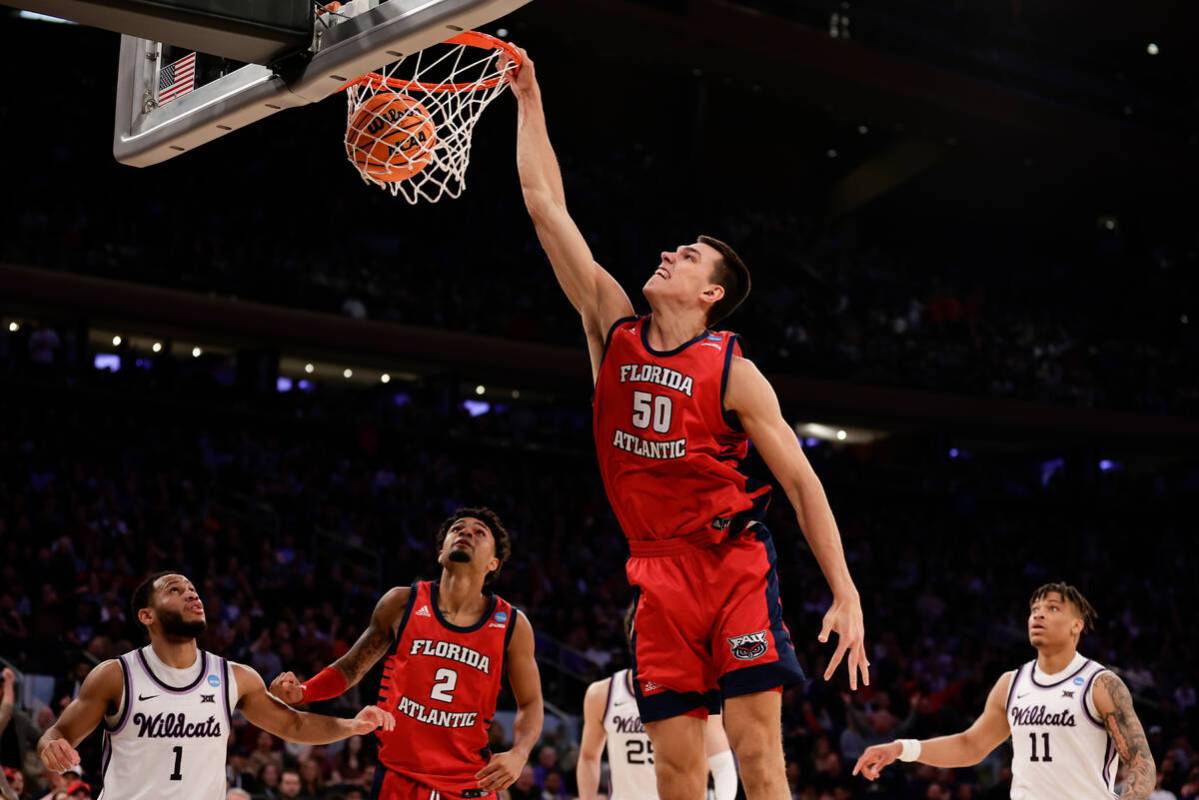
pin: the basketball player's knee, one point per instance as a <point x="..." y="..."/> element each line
<point x="759" y="759"/>
<point x="680" y="777"/>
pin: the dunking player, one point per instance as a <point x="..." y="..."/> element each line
<point x="166" y="707"/>
<point x="611" y="720"/>
<point x="450" y="643"/>
<point x="675" y="406"/>
<point x="1068" y="716"/>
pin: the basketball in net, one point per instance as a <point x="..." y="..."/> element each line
<point x="391" y="138"/>
<point x="409" y="125"/>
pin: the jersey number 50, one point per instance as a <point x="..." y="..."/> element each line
<point x="655" y="408"/>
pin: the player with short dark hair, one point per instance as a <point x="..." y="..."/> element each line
<point x="167" y="708"/>
<point x="448" y="644"/>
<point x="1068" y="717"/>
<point x="675" y="407"/>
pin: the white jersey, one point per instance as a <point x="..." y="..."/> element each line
<point x="1060" y="749"/>
<point x="168" y="740"/>
<point x="630" y="756"/>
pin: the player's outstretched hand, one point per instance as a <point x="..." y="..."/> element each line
<point x="524" y="80"/>
<point x="871" y="763"/>
<point x="287" y="687"/>
<point x="371" y="719"/>
<point x="501" y="772"/>
<point x="58" y="755"/>
<point x="844" y="617"/>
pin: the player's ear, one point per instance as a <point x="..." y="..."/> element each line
<point x="145" y="616"/>
<point x="713" y="293"/>
<point x="493" y="565"/>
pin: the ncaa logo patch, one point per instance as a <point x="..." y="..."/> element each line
<point x="501" y="616"/>
<point x="1079" y="681"/>
<point x="214" y="681"/>
<point x="748" y="646"/>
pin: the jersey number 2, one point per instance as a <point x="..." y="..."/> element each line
<point x="652" y="408"/>
<point x="446" y="682"/>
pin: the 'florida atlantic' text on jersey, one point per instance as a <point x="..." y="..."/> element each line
<point x="442" y="682"/>
<point x="668" y="452"/>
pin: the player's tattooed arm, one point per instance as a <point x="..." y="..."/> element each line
<point x="378" y="637"/>
<point x="1114" y="704"/>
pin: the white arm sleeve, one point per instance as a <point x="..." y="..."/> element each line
<point x="724" y="775"/>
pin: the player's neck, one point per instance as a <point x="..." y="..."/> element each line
<point x="1051" y="662"/>
<point x="667" y="331"/>
<point x="175" y="653"/>
<point x="460" y="596"/>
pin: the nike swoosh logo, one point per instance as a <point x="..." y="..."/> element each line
<point x="621" y="703"/>
<point x="1022" y="696"/>
<point x="146" y="696"/>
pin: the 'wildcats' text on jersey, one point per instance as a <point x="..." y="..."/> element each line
<point x="630" y="754"/>
<point x="442" y="682"/>
<point x="1059" y="747"/>
<point x="668" y="452"/>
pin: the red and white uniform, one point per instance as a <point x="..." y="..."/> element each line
<point x="441" y="682"/>
<point x="708" y="621"/>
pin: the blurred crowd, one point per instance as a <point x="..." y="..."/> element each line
<point x="292" y="512"/>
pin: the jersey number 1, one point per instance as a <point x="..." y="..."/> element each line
<point x="1044" y="756"/>
<point x="652" y="408"/>
<point x="177" y="775"/>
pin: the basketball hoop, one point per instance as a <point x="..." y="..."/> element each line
<point x="409" y="126"/>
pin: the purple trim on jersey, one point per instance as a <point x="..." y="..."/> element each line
<point x="608" y="700"/>
<point x="1109" y="754"/>
<point x="1011" y="690"/>
<point x="225" y="692"/>
<point x="1086" y="709"/>
<point x="106" y="756"/>
<point x="1033" y="675"/>
<point x="176" y="689"/>
<point x="124" y="717"/>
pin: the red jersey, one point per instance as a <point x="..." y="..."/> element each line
<point x="442" y="682"/>
<point x="668" y="451"/>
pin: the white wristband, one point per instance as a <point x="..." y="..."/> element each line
<point x="911" y="749"/>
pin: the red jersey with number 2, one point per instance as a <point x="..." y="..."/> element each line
<point x="442" y="682"/>
<point x="668" y="452"/>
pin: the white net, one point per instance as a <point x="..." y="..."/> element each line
<point x="409" y="126"/>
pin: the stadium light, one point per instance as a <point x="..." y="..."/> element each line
<point x="1152" y="49"/>
<point x="516" y="393"/>
<point x="480" y="389"/>
<point x="841" y="436"/>
<point x="116" y="341"/>
<point x="309" y="368"/>
<point x="13" y="327"/>
<point x="832" y="153"/>
<point x="157" y="347"/>
<point x="385" y="378"/>
<point x="348" y="373"/>
<point x="862" y="129"/>
<point x="197" y="352"/>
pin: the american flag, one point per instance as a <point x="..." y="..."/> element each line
<point x="176" y="80"/>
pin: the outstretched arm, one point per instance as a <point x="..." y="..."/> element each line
<point x="100" y="694"/>
<point x="963" y="749"/>
<point x="504" y="768"/>
<point x="752" y="398"/>
<point x="591" y="745"/>
<point x="1114" y="704"/>
<point x="268" y="712"/>
<point x="346" y="671"/>
<point x="593" y="292"/>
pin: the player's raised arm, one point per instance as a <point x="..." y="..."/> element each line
<point x="591" y="747"/>
<point x="593" y="292"/>
<point x="963" y="749"/>
<point x="1114" y="704"/>
<point x="753" y="399"/>
<point x="100" y="694"/>
<point x="349" y="669"/>
<point x="268" y="712"/>
<point x="504" y="768"/>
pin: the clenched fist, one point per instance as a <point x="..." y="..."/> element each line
<point x="58" y="756"/>
<point x="287" y="687"/>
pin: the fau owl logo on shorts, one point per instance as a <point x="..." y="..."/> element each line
<point x="748" y="646"/>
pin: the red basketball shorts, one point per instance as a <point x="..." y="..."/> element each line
<point x="391" y="785"/>
<point x="708" y="625"/>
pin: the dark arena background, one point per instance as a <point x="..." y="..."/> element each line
<point x="972" y="231"/>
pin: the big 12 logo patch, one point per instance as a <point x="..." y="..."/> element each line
<point x="748" y="646"/>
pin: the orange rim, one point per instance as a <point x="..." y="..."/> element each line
<point x="482" y="41"/>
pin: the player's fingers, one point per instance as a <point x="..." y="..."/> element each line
<point x="826" y="629"/>
<point x="835" y="661"/>
<point x="863" y="663"/>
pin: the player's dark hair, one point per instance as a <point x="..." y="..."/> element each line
<point x="1070" y="595"/>
<point x="503" y="544"/>
<point x="732" y="274"/>
<point x="143" y="595"/>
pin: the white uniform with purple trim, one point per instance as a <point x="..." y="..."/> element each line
<point x="1059" y="747"/>
<point x="630" y="756"/>
<point x="169" y="735"/>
